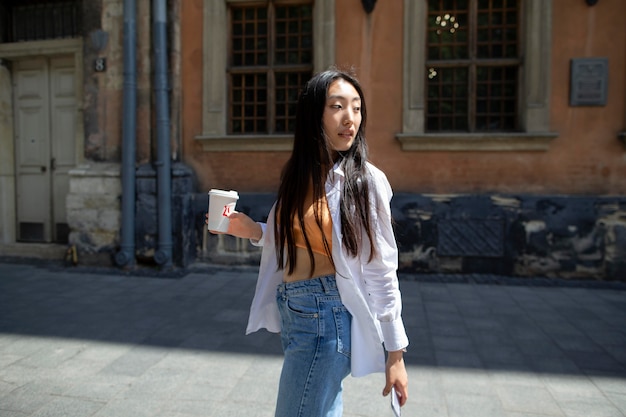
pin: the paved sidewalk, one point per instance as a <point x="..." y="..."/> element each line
<point x="109" y="345"/>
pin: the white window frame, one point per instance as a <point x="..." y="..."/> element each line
<point x="214" y="90"/>
<point x="534" y="100"/>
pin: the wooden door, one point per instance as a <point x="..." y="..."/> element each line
<point x="45" y="136"/>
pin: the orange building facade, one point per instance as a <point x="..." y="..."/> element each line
<point x="565" y="157"/>
<point x="585" y="156"/>
<point x="544" y="195"/>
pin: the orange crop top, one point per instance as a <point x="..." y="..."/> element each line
<point x="312" y="229"/>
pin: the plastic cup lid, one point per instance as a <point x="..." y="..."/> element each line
<point x="222" y="193"/>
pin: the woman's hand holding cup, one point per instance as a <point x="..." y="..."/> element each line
<point x="240" y="225"/>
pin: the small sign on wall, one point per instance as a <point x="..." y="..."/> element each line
<point x="589" y="81"/>
<point x="100" y="65"/>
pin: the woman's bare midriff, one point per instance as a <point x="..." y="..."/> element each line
<point x="302" y="270"/>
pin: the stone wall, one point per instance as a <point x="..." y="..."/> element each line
<point x="94" y="214"/>
<point x="146" y="218"/>
<point x="582" y="237"/>
<point x="93" y="211"/>
<point x="523" y="235"/>
<point x="514" y="235"/>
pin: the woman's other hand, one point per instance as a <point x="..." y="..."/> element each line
<point x="396" y="376"/>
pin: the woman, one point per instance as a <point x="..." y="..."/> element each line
<point x="327" y="280"/>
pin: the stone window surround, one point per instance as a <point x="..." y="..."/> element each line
<point x="214" y="94"/>
<point x="20" y="50"/>
<point x="534" y="102"/>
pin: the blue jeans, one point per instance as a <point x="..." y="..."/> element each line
<point x="315" y="337"/>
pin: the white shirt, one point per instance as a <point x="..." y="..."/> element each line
<point x="369" y="291"/>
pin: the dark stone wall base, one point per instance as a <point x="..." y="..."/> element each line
<point x="184" y="245"/>
<point x="571" y="237"/>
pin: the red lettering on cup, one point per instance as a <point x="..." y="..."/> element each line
<point x="226" y="211"/>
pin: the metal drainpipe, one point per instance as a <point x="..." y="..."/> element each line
<point x="126" y="255"/>
<point x="163" y="255"/>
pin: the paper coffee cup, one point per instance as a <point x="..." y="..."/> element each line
<point x="221" y="204"/>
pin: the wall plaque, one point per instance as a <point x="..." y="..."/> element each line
<point x="589" y="80"/>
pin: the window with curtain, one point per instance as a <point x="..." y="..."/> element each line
<point x="472" y="66"/>
<point x="270" y="58"/>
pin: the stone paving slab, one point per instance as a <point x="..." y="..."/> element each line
<point x="109" y="344"/>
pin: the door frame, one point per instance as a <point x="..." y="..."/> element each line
<point x="15" y="51"/>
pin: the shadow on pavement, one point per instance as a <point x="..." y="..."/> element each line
<point x="574" y="330"/>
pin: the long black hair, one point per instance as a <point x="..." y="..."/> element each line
<point x="310" y="162"/>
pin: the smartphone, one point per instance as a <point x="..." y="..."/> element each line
<point x="395" y="402"/>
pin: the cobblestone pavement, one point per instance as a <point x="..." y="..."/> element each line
<point x="79" y="342"/>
